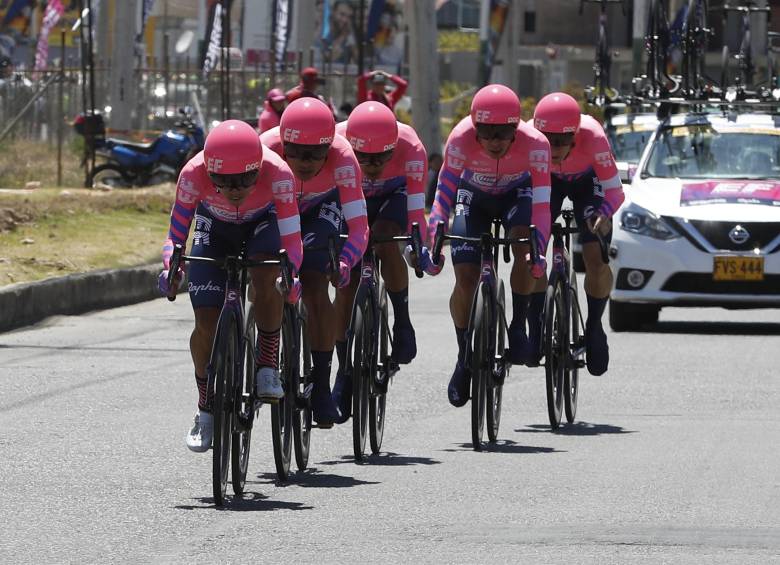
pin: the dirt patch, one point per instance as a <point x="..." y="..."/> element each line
<point x="11" y="219"/>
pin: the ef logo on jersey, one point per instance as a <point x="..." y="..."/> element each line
<point x="345" y="176"/>
<point x="604" y="159"/>
<point x="213" y="165"/>
<point x="283" y="190"/>
<point x="415" y="169"/>
<point x="539" y="160"/>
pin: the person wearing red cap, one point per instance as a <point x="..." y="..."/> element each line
<point x="378" y="80"/>
<point x="307" y="87"/>
<point x="273" y="106"/>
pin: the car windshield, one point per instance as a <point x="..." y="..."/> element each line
<point x="706" y="151"/>
<point x="628" y="142"/>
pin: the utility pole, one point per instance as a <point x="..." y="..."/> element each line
<point x="638" y="43"/>
<point x="122" y="71"/>
<point x="424" y="72"/>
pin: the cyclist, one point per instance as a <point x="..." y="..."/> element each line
<point x="273" y="106"/>
<point x="236" y="192"/>
<point x="328" y="191"/>
<point x="393" y="161"/>
<point x="495" y="166"/>
<point x="584" y="170"/>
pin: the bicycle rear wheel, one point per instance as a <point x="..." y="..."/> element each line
<point x="302" y="417"/>
<point x="282" y="412"/>
<point x="571" y="379"/>
<point x="245" y="410"/>
<point x="378" y="397"/>
<point x="495" y="385"/>
<point x="223" y="364"/>
<point x="555" y="347"/>
<point x="361" y="372"/>
<point x="480" y="365"/>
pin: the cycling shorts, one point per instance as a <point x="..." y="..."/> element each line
<point x="586" y="194"/>
<point x="317" y="224"/>
<point x="475" y="210"/>
<point x="215" y="239"/>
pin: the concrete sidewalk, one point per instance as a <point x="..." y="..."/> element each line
<point x="28" y="303"/>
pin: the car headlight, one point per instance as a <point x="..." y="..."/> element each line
<point x="637" y="220"/>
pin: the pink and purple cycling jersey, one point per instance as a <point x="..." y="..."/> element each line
<point x="465" y="162"/>
<point x="341" y="172"/>
<point x="408" y="167"/>
<point x="273" y="189"/>
<point x="592" y="154"/>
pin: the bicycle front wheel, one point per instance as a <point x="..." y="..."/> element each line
<point x="282" y="412"/>
<point x="572" y="379"/>
<point x="223" y="364"/>
<point x="480" y="365"/>
<point x="360" y="369"/>
<point x="378" y="398"/>
<point x="495" y="385"/>
<point x="302" y="418"/>
<point x="244" y="405"/>
<point x="555" y="349"/>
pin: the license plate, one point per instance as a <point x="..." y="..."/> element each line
<point x="735" y="268"/>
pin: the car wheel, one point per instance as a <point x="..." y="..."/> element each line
<point x="627" y="317"/>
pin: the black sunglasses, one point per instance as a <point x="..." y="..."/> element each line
<point x="560" y="139"/>
<point x="374" y="159"/>
<point x="306" y="152"/>
<point x="503" y="132"/>
<point x="240" y="181"/>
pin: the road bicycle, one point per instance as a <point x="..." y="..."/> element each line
<point x="602" y="65"/>
<point x="696" y="34"/>
<point x="657" y="44"/>
<point x="563" y="331"/>
<point x="370" y="365"/>
<point x="487" y="357"/>
<point x="231" y="368"/>
<point x="744" y="57"/>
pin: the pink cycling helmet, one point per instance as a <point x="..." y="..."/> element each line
<point x="307" y="121"/>
<point x="557" y="113"/>
<point x="372" y="128"/>
<point x="231" y="148"/>
<point x="275" y="95"/>
<point x="495" y="104"/>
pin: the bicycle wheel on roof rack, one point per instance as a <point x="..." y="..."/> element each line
<point x="695" y="47"/>
<point x="657" y="45"/>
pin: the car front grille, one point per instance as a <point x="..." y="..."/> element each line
<point x="717" y="234"/>
<point x="702" y="283"/>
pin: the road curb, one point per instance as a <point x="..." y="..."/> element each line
<point x="28" y="303"/>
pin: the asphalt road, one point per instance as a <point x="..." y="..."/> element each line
<point x="674" y="459"/>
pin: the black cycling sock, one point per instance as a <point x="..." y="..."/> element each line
<point x="519" y="308"/>
<point x="320" y="367"/>
<point x="460" y="335"/>
<point x="535" y="307"/>
<point x="341" y="353"/>
<point x="400" y="302"/>
<point x="596" y="308"/>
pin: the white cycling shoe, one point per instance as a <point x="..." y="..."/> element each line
<point x="202" y="432"/>
<point x="268" y="387"/>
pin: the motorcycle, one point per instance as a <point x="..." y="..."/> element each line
<point x="130" y="163"/>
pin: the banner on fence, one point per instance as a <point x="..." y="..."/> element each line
<point x="281" y="26"/>
<point x="53" y="13"/>
<point x="213" y="36"/>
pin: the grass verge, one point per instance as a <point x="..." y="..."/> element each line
<point x="53" y="232"/>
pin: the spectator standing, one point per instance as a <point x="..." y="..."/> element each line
<point x="273" y="106"/>
<point x="378" y="81"/>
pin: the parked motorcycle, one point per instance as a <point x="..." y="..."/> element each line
<point x="129" y="163"/>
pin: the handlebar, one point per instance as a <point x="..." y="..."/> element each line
<point x="485" y="237"/>
<point x="178" y="258"/>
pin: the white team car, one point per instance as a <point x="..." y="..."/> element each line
<point x="700" y="225"/>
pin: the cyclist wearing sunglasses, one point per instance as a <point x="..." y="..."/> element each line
<point x="495" y="166"/>
<point x="328" y="192"/>
<point x="236" y="193"/>
<point x="394" y="163"/>
<point x="584" y="170"/>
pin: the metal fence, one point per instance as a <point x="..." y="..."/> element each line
<point x="61" y="94"/>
